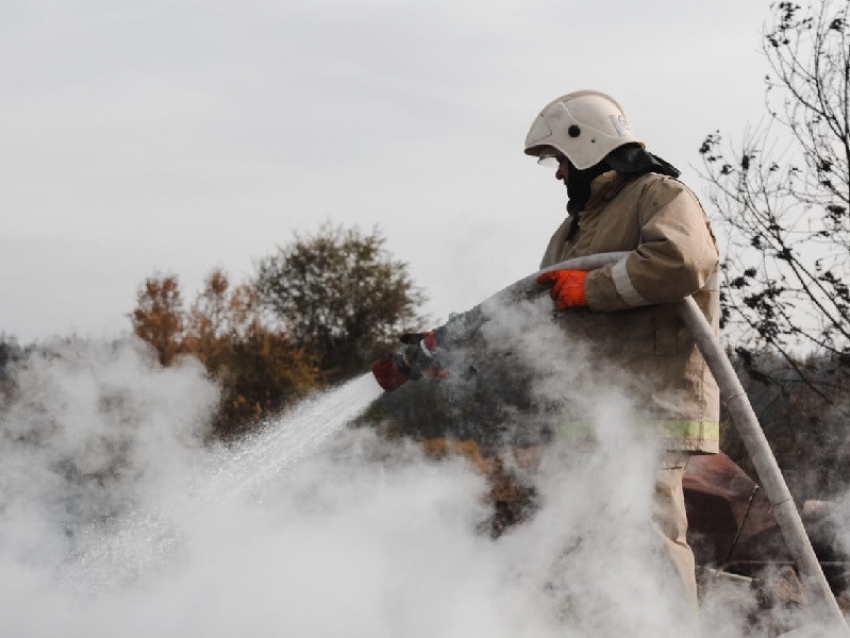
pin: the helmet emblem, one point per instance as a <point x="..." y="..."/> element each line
<point x="621" y="125"/>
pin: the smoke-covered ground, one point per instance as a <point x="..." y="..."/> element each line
<point x="117" y="519"/>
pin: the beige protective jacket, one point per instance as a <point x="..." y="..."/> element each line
<point x="631" y="323"/>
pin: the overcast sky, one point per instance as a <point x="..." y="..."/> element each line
<point x="149" y="136"/>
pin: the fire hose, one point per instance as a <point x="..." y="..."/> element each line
<point x="395" y="369"/>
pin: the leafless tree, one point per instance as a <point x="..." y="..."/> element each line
<point x="783" y="194"/>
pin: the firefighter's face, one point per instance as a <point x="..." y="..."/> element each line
<point x="563" y="169"/>
<point x="557" y="160"/>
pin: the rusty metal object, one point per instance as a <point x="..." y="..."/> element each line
<point x="731" y="525"/>
<point x="718" y="495"/>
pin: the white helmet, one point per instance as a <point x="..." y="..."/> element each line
<point x="584" y="125"/>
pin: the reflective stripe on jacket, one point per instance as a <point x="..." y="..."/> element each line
<point x="631" y="322"/>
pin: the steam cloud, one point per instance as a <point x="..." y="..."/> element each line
<point x="115" y="519"/>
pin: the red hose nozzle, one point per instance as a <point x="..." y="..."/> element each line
<point x="387" y="372"/>
<point x="416" y="359"/>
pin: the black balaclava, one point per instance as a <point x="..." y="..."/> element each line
<point x="578" y="184"/>
<point x="631" y="160"/>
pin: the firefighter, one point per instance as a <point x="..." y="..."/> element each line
<point x="623" y="198"/>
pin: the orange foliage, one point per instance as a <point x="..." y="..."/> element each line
<point x="158" y="317"/>
<point x="259" y="369"/>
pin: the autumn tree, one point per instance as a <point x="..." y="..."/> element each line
<point x="340" y="294"/>
<point x="784" y="195"/>
<point x="159" y="317"/>
<point x="260" y="369"/>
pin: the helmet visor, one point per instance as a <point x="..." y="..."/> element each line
<point x="550" y="158"/>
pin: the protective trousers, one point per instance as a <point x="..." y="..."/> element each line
<point x="670" y="521"/>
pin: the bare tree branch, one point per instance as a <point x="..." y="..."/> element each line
<point x="785" y="197"/>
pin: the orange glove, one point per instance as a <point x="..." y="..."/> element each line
<point x="568" y="291"/>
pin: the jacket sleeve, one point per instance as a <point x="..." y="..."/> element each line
<point x="676" y="254"/>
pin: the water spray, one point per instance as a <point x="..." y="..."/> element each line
<point x="422" y="356"/>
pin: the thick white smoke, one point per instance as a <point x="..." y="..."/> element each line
<point x="92" y="431"/>
<point x="116" y="520"/>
